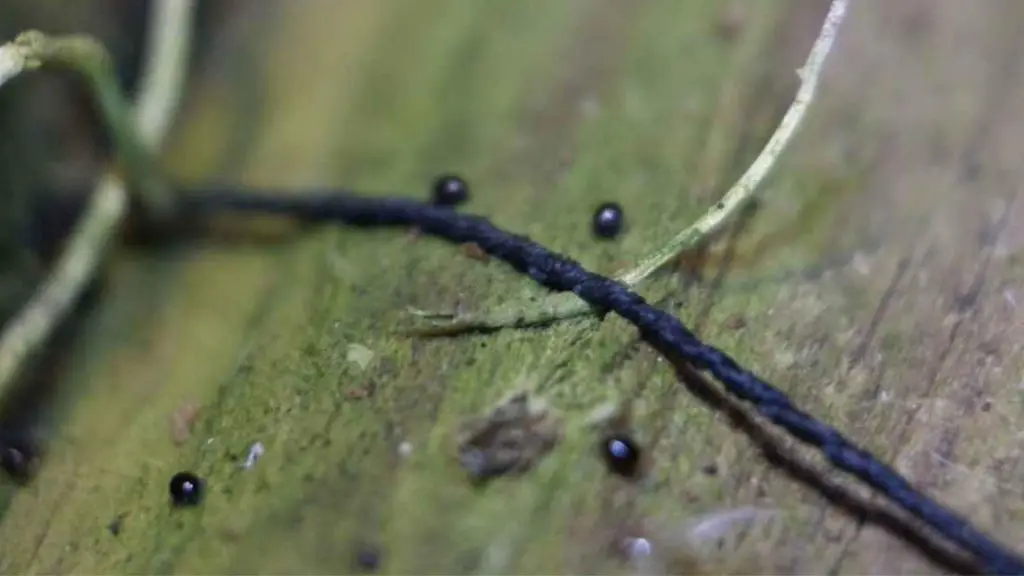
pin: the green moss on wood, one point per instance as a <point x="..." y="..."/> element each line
<point x="383" y="96"/>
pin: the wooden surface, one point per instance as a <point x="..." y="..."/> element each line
<point x="879" y="284"/>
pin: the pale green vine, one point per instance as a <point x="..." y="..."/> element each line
<point x="523" y="313"/>
<point x="135" y="131"/>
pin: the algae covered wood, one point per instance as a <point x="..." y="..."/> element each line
<point x="877" y="284"/>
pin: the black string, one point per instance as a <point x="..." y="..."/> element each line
<point x="663" y="331"/>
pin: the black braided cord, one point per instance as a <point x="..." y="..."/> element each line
<point x="663" y="331"/>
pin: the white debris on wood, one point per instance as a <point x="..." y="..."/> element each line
<point x="359" y="354"/>
<point x="255" y="452"/>
<point x="1010" y="297"/>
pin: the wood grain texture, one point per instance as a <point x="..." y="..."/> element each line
<point x="878" y="284"/>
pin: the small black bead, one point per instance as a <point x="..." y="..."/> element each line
<point x="367" y="558"/>
<point x="608" y="220"/>
<point x="621" y="455"/>
<point x="450" y="190"/>
<point x="116" y="525"/>
<point x="186" y="489"/>
<point x="16" y="461"/>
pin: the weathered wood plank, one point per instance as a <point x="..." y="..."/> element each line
<point x="899" y="325"/>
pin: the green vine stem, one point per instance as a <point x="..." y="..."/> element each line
<point x="33" y="50"/>
<point x="136" y="131"/>
<point x="555" y="307"/>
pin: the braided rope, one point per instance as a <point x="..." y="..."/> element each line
<point x="661" y="330"/>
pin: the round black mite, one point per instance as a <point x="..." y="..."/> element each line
<point x="367" y="558"/>
<point x="608" y="220"/>
<point x="16" y="460"/>
<point x="14" y="463"/>
<point x="450" y="190"/>
<point x="186" y="489"/>
<point x="621" y="455"/>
